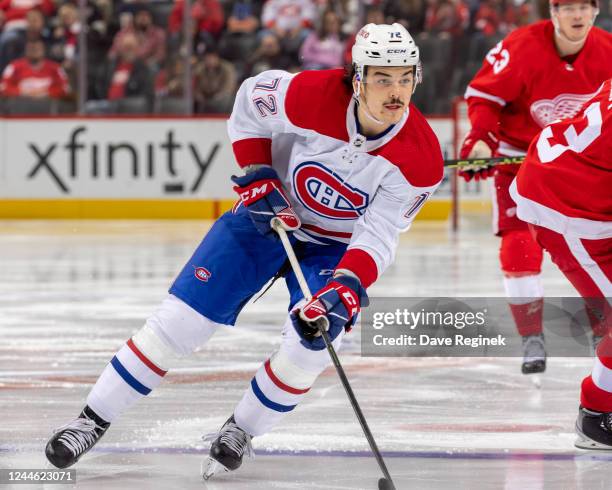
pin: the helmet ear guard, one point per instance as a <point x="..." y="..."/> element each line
<point x="418" y="75"/>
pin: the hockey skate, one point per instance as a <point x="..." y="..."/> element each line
<point x="228" y="447"/>
<point x="71" y="441"/>
<point x="534" y="354"/>
<point x="594" y="430"/>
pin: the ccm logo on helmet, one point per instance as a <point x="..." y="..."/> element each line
<point x="396" y="51"/>
<point x="320" y="191"/>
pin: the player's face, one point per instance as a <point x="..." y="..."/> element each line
<point x="388" y="91"/>
<point x="575" y="19"/>
<point x="35" y="51"/>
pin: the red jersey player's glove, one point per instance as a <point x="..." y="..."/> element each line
<point x="479" y="143"/>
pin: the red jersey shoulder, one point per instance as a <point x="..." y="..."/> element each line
<point x="23" y="64"/>
<point x="600" y="39"/>
<point x="517" y="51"/>
<point x="318" y="100"/>
<point x="416" y="151"/>
<point x="532" y="37"/>
<point x="19" y="64"/>
<point x="600" y="150"/>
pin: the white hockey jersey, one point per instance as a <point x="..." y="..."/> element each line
<point x="343" y="186"/>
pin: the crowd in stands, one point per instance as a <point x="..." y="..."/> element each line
<point x="136" y="50"/>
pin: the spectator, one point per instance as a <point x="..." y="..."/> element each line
<point x="34" y="75"/>
<point x="291" y="21"/>
<point x="242" y="19"/>
<point x="269" y="55"/>
<point x="207" y="21"/>
<point x="350" y="12"/>
<point x="13" y="15"/>
<point x="169" y="81"/>
<point x="127" y="75"/>
<point x="374" y="15"/>
<point x="151" y="39"/>
<point x="64" y="38"/>
<point x="447" y="17"/>
<point x="487" y="19"/>
<point x="215" y="83"/>
<point x="517" y="16"/>
<point x="103" y="26"/>
<point x="409" y="13"/>
<point x="323" y="48"/>
<point x="288" y="17"/>
<point x="36" y="29"/>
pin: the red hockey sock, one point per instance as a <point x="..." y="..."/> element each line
<point x="596" y="393"/>
<point x="528" y="317"/>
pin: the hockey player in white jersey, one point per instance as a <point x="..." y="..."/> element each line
<point x="346" y="163"/>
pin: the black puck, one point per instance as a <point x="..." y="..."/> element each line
<point x="384" y="484"/>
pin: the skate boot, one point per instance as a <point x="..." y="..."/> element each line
<point x="228" y="447"/>
<point x="74" y="439"/>
<point x="594" y="430"/>
<point x="534" y="354"/>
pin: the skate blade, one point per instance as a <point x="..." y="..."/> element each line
<point x="584" y="442"/>
<point x="533" y="367"/>
<point x="211" y="467"/>
<point x="590" y="444"/>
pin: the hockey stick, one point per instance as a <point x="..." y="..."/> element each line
<point x="483" y="162"/>
<point x="383" y="483"/>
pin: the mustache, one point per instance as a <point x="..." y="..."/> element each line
<point x="394" y="102"/>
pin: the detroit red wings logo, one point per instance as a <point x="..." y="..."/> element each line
<point x="563" y="106"/>
<point x="323" y="193"/>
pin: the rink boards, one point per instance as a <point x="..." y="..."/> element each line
<point x="175" y="168"/>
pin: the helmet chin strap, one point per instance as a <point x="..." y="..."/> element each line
<point x="366" y="109"/>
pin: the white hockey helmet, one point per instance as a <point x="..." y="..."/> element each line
<point x="385" y="45"/>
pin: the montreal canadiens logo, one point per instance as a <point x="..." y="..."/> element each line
<point x="323" y="193"/>
<point x="202" y="274"/>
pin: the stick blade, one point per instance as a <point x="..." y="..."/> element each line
<point x="384" y="484"/>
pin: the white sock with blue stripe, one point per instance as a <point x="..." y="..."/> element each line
<point x="174" y="330"/>
<point x="280" y="384"/>
<point x="128" y="377"/>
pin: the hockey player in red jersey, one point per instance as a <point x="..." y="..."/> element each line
<point x="564" y="191"/>
<point x="346" y="162"/>
<point x="538" y="74"/>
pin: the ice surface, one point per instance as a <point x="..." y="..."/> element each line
<point x="72" y="292"/>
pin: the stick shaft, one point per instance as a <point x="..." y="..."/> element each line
<point x="330" y="348"/>
<point x="295" y="265"/>
<point x="482" y="162"/>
